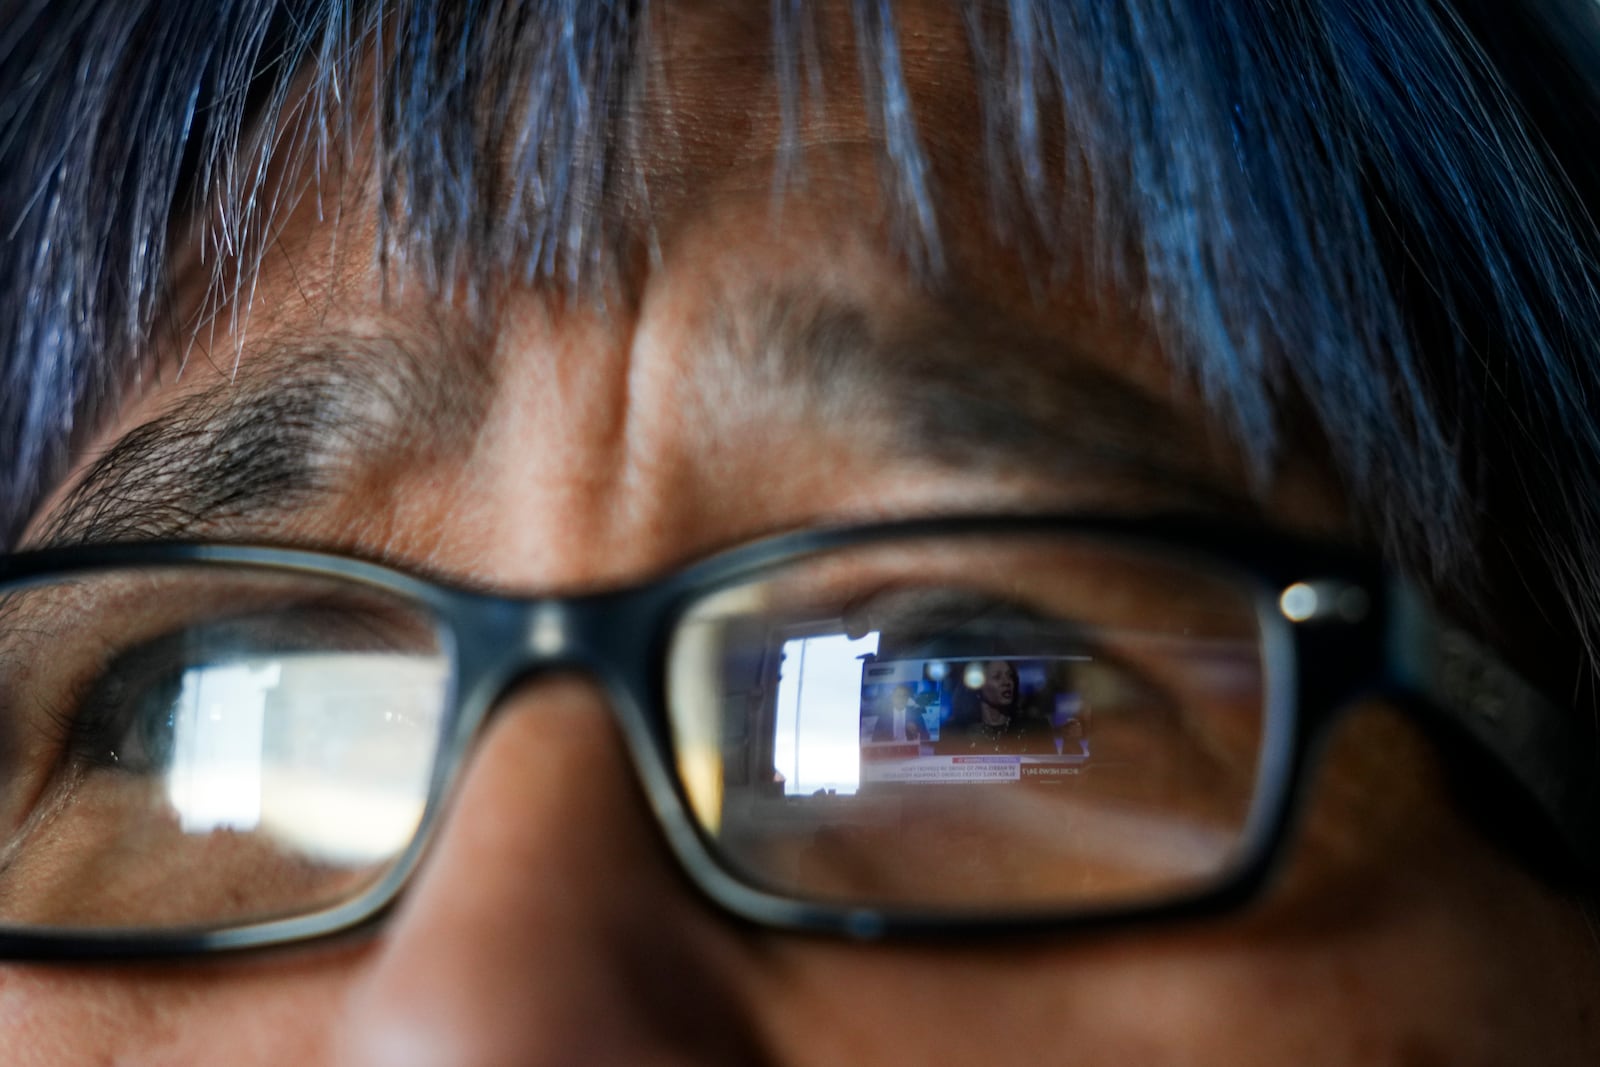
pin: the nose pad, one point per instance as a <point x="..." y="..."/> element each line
<point x="548" y="923"/>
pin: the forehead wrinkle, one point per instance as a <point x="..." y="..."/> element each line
<point x="1000" y="382"/>
<point x="957" y="387"/>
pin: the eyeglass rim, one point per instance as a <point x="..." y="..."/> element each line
<point x="1389" y="647"/>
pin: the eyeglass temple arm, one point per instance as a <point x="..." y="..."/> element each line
<point x="1551" y="752"/>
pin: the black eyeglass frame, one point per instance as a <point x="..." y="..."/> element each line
<point x="1374" y="636"/>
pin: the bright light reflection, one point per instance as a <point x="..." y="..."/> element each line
<point x="1298" y="602"/>
<point x="818" y="741"/>
<point x="373" y="824"/>
<point x="329" y="755"/>
<point x="215" y="779"/>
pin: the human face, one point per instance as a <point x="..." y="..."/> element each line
<point x="999" y="684"/>
<point x="776" y="371"/>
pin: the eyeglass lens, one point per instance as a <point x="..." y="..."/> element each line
<point x="208" y="747"/>
<point x="966" y="725"/>
<point x="975" y="726"/>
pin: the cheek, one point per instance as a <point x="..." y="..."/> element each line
<point x="1428" y="984"/>
<point x="265" y="1010"/>
<point x="1395" y="935"/>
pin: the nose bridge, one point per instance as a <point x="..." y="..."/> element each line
<point x="502" y="643"/>
<point x="548" y="902"/>
<point x="511" y="649"/>
<point x="607" y="638"/>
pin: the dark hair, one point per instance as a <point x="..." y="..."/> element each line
<point x="966" y="701"/>
<point x="1376" y="209"/>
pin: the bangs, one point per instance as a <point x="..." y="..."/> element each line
<point x="1376" y="209"/>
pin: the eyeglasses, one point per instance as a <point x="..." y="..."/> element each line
<point x="921" y="727"/>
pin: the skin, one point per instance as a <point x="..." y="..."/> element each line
<point x="899" y="701"/>
<point x="998" y="692"/>
<point x="548" y="924"/>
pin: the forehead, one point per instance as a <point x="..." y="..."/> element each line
<point x="756" y="255"/>
<point x="731" y="151"/>
<point x="539" y="172"/>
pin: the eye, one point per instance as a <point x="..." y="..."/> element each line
<point x="1143" y="695"/>
<point x="212" y="671"/>
<point x="924" y="618"/>
<point x="208" y="745"/>
<point x="1083" y="727"/>
<point x="125" y="721"/>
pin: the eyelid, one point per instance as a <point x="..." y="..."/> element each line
<point x="897" y="605"/>
<point x="153" y="612"/>
<point x="1026" y="571"/>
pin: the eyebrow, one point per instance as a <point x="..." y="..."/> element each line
<point x="300" y="420"/>
<point x="290" y="427"/>
<point x="966" y="389"/>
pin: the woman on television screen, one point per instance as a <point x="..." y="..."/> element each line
<point x="987" y="713"/>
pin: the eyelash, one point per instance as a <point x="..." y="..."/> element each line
<point x="82" y="731"/>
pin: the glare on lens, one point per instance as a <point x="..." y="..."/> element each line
<point x="1298" y="602"/>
